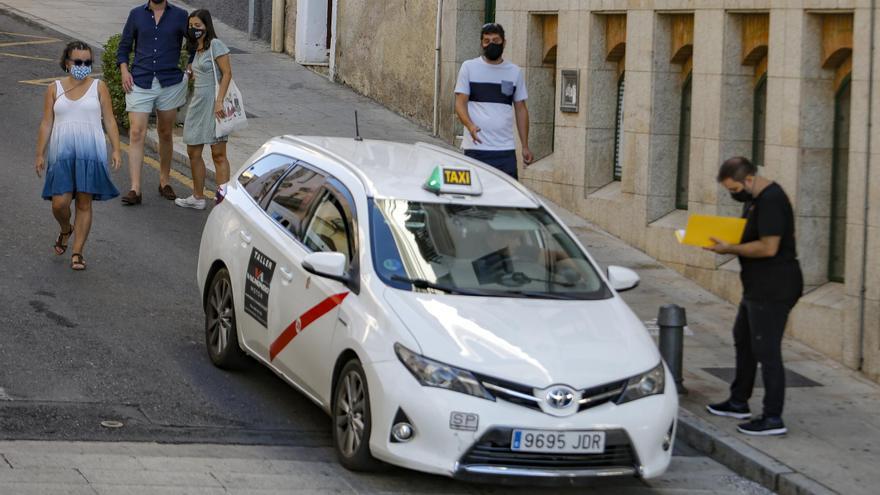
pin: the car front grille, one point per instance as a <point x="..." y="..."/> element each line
<point x="524" y="395"/>
<point x="493" y="449"/>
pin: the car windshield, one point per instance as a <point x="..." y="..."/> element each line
<point x="479" y="250"/>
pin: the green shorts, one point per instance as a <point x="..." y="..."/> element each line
<point x="142" y="100"/>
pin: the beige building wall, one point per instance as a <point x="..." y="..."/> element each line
<point x="641" y="208"/>
<point x="385" y="50"/>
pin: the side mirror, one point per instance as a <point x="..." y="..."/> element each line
<point x="622" y="279"/>
<point x="327" y="265"/>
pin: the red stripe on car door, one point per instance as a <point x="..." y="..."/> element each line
<point x="304" y="321"/>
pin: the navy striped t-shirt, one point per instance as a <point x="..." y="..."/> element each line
<point x="492" y="89"/>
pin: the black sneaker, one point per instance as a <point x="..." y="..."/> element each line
<point x="763" y="426"/>
<point x="730" y="410"/>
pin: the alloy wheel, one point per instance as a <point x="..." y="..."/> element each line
<point x="350" y="413"/>
<point x="220" y="315"/>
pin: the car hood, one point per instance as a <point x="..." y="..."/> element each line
<point x="535" y="342"/>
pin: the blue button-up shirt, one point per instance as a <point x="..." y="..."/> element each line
<point x="156" y="46"/>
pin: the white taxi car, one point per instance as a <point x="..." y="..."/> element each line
<point x="437" y="310"/>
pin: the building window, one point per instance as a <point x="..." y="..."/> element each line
<point x="759" y="119"/>
<point x="618" y="129"/>
<point x="839" y="182"/>
<point x="541" y="81"/>
<point x="684" y="147"/>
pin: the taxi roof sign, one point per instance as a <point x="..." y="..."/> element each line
<point x="454" y="180"/>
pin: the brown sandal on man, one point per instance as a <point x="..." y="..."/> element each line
<point x="60" y="246"/>
<point x="167" y="193"/>
<point x="132" y="198"/>
<point x="77" y="262"/>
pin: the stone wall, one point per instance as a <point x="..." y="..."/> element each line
<point x="640" y="208"/>
<point x="385" y="50"/>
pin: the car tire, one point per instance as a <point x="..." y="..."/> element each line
<point x="221" y="330"/>
<point x="351" y="407"/>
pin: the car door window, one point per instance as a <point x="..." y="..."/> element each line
<point x="294" y="197"/>
<point x="329" y="230"/>
<point x="259" y="178"/>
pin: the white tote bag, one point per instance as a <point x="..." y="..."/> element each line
<point x="234" y="118"/>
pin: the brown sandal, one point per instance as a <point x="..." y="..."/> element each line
<point x="167" y="192"/>
<point x="61" y="247"/>
<point x="77" y="262"/>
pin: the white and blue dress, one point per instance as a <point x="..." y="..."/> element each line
<point x="77" y="160"/>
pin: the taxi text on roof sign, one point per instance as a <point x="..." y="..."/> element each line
<point x="453" y="180"/>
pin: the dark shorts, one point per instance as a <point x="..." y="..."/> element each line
<point x="504" y="161"/>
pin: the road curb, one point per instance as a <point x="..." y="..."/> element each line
<point x="744" y="459"/>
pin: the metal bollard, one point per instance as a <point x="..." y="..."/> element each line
<point x="672" y="319"/>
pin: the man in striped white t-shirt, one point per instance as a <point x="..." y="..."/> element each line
<point x="489" y="94"/>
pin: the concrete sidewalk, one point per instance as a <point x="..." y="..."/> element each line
<point x="73" y="468"/>
<point x="834" y="439"/>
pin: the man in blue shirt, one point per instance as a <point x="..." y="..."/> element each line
<point x="154" y="81"/>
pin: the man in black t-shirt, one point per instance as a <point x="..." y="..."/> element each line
<point x="772" y="284"/>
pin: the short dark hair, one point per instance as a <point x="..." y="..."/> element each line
<point x="210" y="34"/>
<point x="73" y="45"/>
<point x="492" y="28"/>
<point x="737" y="168"/>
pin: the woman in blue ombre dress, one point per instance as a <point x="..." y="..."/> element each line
<point x="76" y="164"/>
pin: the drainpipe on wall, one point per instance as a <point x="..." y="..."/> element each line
<point x="331" y="72"/>
<point x="278" y="20"/>
<point x="863" y="290"/>
<point x="436" y="127"/>
<point x="251" y="19"/>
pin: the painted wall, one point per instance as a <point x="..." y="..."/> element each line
<point x="235" y="13"/>
<point x="385" y="50"/>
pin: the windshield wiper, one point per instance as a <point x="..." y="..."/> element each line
<point x="542" y="295"/>
<point x="518" y="279"/>
<point x="420" y="283"/>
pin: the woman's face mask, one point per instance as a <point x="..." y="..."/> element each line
<point x="196" y="33"/>
<point x="80" y="72"/>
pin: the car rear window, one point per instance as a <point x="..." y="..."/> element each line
<point x="259" y="178"/>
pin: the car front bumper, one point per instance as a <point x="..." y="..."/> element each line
<point x="639" y="434"/>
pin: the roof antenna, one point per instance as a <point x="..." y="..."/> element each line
<point x="357" y="131"/>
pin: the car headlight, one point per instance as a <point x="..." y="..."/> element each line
<point x="649" y="383"/>
<point x="432" y="373"/>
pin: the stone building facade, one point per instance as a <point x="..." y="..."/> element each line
<point x="657" y="94"/>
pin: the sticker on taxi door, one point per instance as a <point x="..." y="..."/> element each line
<point x="257" y="282"/>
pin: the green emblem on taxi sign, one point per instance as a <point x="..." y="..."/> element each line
<point x="435" y="181"/>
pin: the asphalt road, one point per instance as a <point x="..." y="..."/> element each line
<point x="124" y="340"/>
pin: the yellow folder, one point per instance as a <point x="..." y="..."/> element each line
<point x="701" y="228"/>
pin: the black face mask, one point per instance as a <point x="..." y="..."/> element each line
<point x="493" y="51"/>
<point x="741" y="196"/>
<point x="196" y="33"/>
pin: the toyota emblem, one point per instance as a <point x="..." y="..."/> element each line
<point x="560" y="397"/>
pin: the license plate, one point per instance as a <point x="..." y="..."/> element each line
<point x="563" y="442"/>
